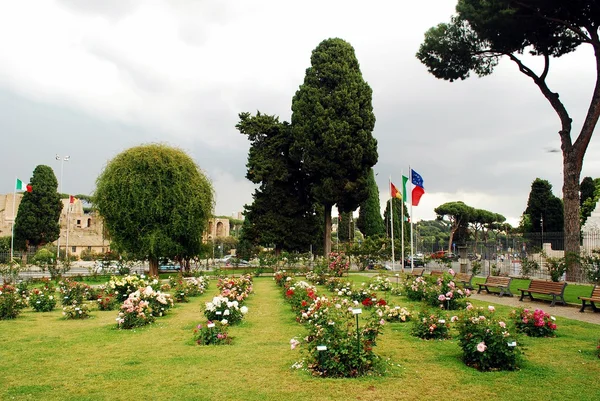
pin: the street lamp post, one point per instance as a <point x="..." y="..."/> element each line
<point x="62" y="159"/>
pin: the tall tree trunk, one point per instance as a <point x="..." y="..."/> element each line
<point x="153" y="262"/>
<point x="327" y="239"/>
<point x="571" y="173"/>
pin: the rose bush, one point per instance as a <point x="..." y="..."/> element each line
<point x="486" y="341"/>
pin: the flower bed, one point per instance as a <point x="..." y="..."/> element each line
<point x="486" y="342"/>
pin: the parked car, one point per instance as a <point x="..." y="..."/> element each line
<point x="232" y="260"/>
<point x="169" y="266"/>
<point x="417" y="260"/>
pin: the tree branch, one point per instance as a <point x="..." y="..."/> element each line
<point x="563" y="115"/>
<point x="593" y="113"/>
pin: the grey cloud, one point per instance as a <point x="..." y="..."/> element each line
<point x="112" y="9"/>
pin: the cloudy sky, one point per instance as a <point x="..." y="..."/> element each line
<point x="90" y="79"/>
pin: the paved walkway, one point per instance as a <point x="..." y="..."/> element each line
<point x="569" y="311"/>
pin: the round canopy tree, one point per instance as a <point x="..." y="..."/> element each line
<point x="155" y="202"/>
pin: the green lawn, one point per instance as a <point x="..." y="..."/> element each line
<point x="43" y="357"/>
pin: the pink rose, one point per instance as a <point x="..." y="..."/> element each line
<point x="481" y="347"/>
<point x="491" y="308"/>
<point x="502" y="324"/>
<point x="294" y="343"/>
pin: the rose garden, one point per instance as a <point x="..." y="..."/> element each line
<point x="300" y="333"/>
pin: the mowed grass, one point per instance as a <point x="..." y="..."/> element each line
<point x="43" y="357"/>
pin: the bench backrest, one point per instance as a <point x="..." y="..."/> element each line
<point x="417" y="272"/>
<point x="463" y="277"/>
<point x="437" y="273"/>
<point x="596" y="292"/>
<point x="498" y="280"/>
<point x="551" y="286"/>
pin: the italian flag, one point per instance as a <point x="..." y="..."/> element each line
<point x="21" y="187"/>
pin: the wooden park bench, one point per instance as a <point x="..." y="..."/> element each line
<point x="416" y="272"/>
<point x="436" y="273"/>
<point x="465" y="279"/>
<point x="594" y="297"/>
<point x="551" y="288"/>
<point x="499" y="282"/>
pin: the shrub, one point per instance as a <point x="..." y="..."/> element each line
<point x="281" y="277"/>
<point x="121" y="287"/>
<point x="338" y="264"/>
<point x="331" y="324"/>
<point x="446" y="294"/>
<point x="380" y="283"/>
<point x="485" y="341"/>
<point x="535" y="323"/>
<point x="396" y="314"/>
<point x="557" y="267"/>
<point x="430" y="326"/>
<point x="76" y="311"/>
<point x="135" y="312"/>
<point x="73" y="292"/>
<point x="416" y="290"/>
<point x="223" y="310"/>
<point x="159" y="302"/>
<point x="591" y="266"/>
<point x="42" y="300"/>
<point x="236" y="289"/>
<point x="211" y="334"/>
<point x="11" y="302"/>
<point x="300" y="295"/>
<point x="528" y="266"/>
<point x="107" y="301"/>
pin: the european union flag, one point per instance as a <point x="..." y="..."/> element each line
<point x="416" y="178"/>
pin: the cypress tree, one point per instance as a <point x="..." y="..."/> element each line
<point x="369" y="220"/>
<point x="37" y="220"/>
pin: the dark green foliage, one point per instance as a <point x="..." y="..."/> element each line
<point x="590" y="193"/>
<point x="369" y="220"/>
<point x="282" y="213"/>
<point x="397" y="205"/>
<point x="37" y="220"/>
<point x="434" y="234"/>
<point x="155" y="202"/>
<point x="458" y="213"/>
<point x="333" y="120"/>
<point x="542" y="204"/>
<point x="345" y="228"/>
<point x="586" y="189"/>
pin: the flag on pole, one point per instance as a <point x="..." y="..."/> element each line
<point x="418" y="189"/>
<point x="72" y="199"/>
<point x="19" y="186"/>
<point x="404" y="181"/>
<point x="395" y="192"/>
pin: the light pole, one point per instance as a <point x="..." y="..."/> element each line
<point x="62" y="159"/>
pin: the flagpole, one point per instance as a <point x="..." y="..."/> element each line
<point x="412" y="262"/>
<point x="12" y="237"/>
<point x="392" y="222"/>
<point x="67" y="240"/>
<point x="402" y="220"/>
